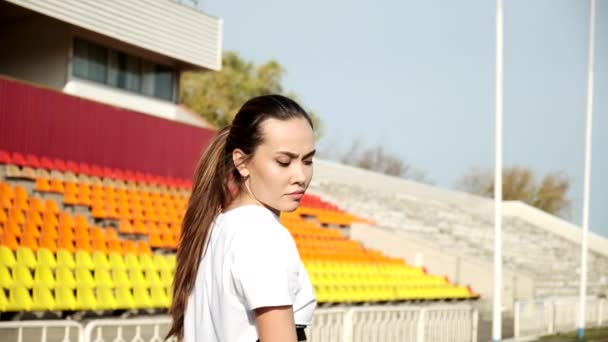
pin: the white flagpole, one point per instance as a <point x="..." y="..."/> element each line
<point x="497" y="308"/>
<point x="587" y="176"/>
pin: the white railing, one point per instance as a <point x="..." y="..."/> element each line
<point x="355" y="324"/>
<point x="152" y="329"/>
<point x="550" y="316"/>
<point x="327" y="325"/>
<point x="43" y="331"/>
<point x="395" y="323"/>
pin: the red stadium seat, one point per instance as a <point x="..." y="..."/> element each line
<point x="19" y="159"/>
<point x="5" y="157"/>
<point x="73" y="166"/>
<point x="96" y="171"/>
<point x="60" y="165"/>
<point x="47" y="163"/>
<point x="32" y="161"/>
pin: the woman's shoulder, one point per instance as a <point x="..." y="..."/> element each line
<point x="256" y="222"/>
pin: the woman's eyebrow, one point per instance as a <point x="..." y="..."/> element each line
<point x="295" y="155"/>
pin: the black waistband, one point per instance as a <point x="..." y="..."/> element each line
<point x="300" y="333"/>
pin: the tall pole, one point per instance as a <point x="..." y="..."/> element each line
<point x="587" y="175"/>
<point x="497" y="308"/>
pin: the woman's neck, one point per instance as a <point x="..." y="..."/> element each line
<point x="248" y="200"/>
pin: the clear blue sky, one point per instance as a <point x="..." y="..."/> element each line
<point x="418" y="78"/>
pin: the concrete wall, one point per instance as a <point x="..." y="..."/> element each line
<point x="555" y="225"/>
<point x="35" y="49"/>
<point x="460" y="270"/>
<point x="161" y="26"/>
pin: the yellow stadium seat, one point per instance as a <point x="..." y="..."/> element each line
<point x="132" y="262"/>
<point x="160" y="262"/>
<point x="147" y="263"/>
<point x="44" y="277"/>
<point x="152" y="277"/>
<point x="85" y="298"/>
<point x="141" y="297"/>
<point x="3" y="302"/>
<point x="25" y="256"/>
<point x="166" y="277"/>
<point x="84" y="278"/>
<point x="19" y="299"/>
<point x="100" y="261"/>
<point x="116" y="261"/>
<point x="106" y="299"/>
<point x="121" y="278"/>
<point x="64" y="298"/>
<point x="137" y="278"/>
<point x="124" y="298"/>
<point x="171" y="261"/>
<point x="7" y="257"/>
<point x="65" y="259"/>
<point x="83" y="260"/>
<point x="159" y="297"/>
<point x="65" y="277"/>
<point x="42" y="299"/>
<point x="6" y="279"/>
<point x="103" y="279"/>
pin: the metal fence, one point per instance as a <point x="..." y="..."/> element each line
<point x="350" y="324"/>
<point x="550" y="316"/>
<point x="42" y="331"/>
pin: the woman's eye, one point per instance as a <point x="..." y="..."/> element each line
<point x="308" y="162"/>
<point x="282" y="164"/>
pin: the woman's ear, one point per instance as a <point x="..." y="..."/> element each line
<point x="240" y="162"/>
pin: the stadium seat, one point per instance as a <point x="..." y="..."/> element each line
<point x="6" y="279"/>
<point x="43" y="276"/>
<point x="106" y="299"/>
<point x="65" y="298"/>
<point x="19" y="299"/>
<point x="85" y="298"/>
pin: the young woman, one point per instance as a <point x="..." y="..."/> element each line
<point x="239" y="276"/>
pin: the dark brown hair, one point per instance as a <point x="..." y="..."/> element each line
<point x="216" y="182"/>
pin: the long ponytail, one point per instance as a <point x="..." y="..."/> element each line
<point x="209" y="194"/>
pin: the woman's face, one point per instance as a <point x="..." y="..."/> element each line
<point x="280" y="169"/>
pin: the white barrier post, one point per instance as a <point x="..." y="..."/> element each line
<point x="516" y="318"/>
<point x="421" y="325"/>
<point x="347" y="325"/>
<point x="475" y="325"/>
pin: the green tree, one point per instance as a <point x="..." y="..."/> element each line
<point x="217" y="96"/>
<point x="519" y="183"/>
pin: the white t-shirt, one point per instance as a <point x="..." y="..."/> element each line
<point x="251" y="262"/>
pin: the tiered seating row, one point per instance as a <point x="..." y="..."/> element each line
<point x="34" y="223"/>
<point x="44" y="280"/>
<point x="340" y="282"/>
<point x="24" y="165"/>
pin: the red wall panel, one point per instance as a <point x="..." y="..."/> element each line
<point x="49" y="123"/>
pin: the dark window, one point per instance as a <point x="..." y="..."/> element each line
<point x="121" y="70"/>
